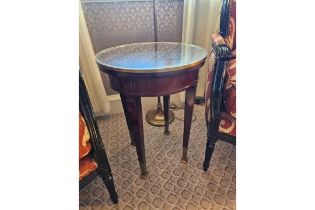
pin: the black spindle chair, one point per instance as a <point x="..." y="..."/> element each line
<point x="98" y="150"/>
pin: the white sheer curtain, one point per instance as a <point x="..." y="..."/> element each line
<point x="201" y="19"/>
<point x="90" y="72"/>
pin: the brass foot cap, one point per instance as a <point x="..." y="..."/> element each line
<point x="184" y="160"/>
<point x="144" y="176"/>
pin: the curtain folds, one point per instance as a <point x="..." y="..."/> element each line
<point x="90" y="71"/>
<point x="200" y="20"/>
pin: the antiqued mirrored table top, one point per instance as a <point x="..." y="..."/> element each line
<point x="151" y="57"/>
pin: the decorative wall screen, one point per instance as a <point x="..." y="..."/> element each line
<point x="115" y="22"/>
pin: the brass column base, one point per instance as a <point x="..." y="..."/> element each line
<point x="155" y="117"/>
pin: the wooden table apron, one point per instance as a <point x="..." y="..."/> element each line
<point x="133" y="86"/>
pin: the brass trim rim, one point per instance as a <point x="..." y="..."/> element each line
<point x="152" y="71"/>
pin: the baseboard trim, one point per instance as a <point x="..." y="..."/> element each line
<point x="101" y="115"/>
<point x="115" y="97"/>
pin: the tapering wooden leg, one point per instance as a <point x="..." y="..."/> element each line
<point x="129" y="124"/>
<point x="166" y="104"/>
<point x="107" y="178"/>
<point x="209" y="150"/>
<point x="133" y="113"/>
<point x="189" y="106"/>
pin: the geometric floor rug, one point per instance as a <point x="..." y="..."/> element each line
<point x="170" y="184"/>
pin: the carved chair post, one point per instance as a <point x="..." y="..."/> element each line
<point x="217" y="81"/>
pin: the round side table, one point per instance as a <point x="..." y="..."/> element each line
<point x="152" y="69"/>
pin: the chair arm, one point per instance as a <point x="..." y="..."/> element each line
<point x="222" y="54"/>
<point x="221" y="49"/>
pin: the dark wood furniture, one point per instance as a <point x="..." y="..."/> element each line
<point x="223" y="52"/>
<point x="152" y="69"/>
<point x="98" y="151"/>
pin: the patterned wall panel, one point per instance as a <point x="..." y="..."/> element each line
<point x="115" y="22"/>
<point x="169" y="15"/>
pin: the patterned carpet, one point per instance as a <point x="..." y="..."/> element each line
<point x="170" y="184"/>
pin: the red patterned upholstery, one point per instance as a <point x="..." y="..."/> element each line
<point x="86" y="163"/>
<point x="227" y="124"/>
<point x="230" y="89"/>
<point x="231" y="38"/>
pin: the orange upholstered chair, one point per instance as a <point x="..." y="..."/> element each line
<point x="92" y="156"/>
<point x="86" y="162"/>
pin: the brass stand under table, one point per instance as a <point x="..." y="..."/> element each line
<point x="152" y="69"/>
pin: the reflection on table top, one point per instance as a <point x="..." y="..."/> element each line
<point x="151" y="57"/>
